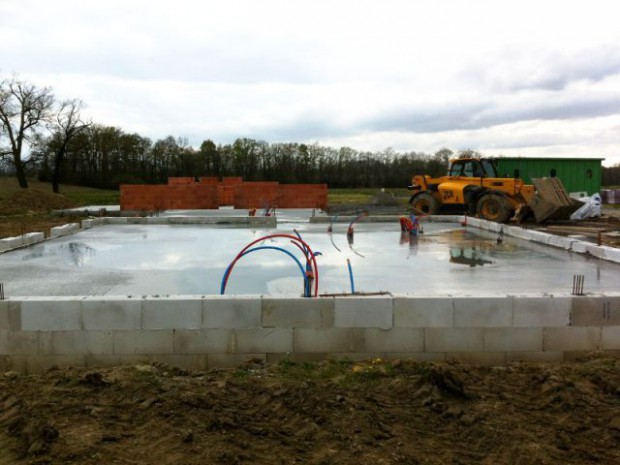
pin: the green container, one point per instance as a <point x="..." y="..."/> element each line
<point x="576" y="174"/>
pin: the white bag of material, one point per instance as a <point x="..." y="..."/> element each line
<point x="591" y="208"/>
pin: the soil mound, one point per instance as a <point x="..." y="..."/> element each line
<point x="33" y="201"/>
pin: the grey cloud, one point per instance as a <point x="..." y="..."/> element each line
<point x="436" y="119"/>
<point x="487" y="114"/>
<point x="535" y="70"/>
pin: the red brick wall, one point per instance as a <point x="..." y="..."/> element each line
<point x="226" y="195"/>
<point x="302" y="196"/>
<point x="256" y="195"/>
<point x="168" y="197"/>
<point x="177" y="181"/>
<point x="231" y="180"/>
<point x="180" y="194"/>
<point x="143" y="197"/>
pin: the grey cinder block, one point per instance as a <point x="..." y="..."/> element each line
<point x="265" y="340"/>
<point x="202" y="341"/>
<point x="297" y="312"/>
<point x="231" y="312"/>
<point x="513" y="339"/>
<point x="482" y="312"/>
<point x="595" y="311"/>
<point x="76" y="342"/>
<point x="532" y="312"/>
<point x="363" y="312"/>
<point x="453" y="340"/>
<point x="19" y="342"/>
<point x="105" y="314"/>
<point x="143" y="342"/>
<point x="420" y="312"/>
<point x="327" y="340"/>
<point x="572" y="338"/>
<point x="610" y="338"/>
<point x="395" y="340"/>
<point x="171" y="313"/>
<point x="51" y="315"/>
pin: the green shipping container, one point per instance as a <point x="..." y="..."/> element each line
<point x="577" y="174"/>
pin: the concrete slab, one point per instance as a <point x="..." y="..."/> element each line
<point x="184" y="259"/>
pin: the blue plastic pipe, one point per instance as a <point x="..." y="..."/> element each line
<point x="351" y="276"/>
<point x="269" y="247"/>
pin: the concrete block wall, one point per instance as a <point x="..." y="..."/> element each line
<point x="9" y="243"/>
<point x="65" y="229"/>
<point x="198" y="332"/>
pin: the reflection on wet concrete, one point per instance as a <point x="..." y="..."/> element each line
<point x="76" y="253"/>
<point x="191" y="259"/>
<point x="467" y="256"/>
<point x="411" y="240"/>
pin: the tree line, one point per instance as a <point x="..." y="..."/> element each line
<point x="64" y="147"/>
<point x="611" y="176"/>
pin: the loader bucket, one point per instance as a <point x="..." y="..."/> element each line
<point x="551" y="201"/>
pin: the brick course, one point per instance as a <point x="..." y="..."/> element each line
<point x="208" y="193"/>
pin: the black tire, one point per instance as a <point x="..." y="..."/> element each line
<point x="425" y="203"/>
<point x="495" y="207"/>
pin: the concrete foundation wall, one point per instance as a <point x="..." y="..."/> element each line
<point x="198" y="332"/>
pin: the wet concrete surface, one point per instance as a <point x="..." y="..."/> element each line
<point x="191" y="259"/>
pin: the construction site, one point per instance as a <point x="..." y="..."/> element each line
<point x="230" y="322"/>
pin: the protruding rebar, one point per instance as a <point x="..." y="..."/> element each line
<point x="578" y="281"/>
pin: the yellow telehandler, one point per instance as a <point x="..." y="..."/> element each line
<point x="473" y="187"/>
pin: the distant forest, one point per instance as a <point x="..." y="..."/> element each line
<point x="66" y="148"/>
<point x="105" y="157"/>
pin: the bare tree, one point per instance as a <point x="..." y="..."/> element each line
<point x="23" y="108"/>
<point x="68" y="123"/>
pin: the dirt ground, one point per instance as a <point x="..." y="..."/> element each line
<point x="335" y="412"/>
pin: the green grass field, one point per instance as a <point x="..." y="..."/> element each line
<point x="79" y="195"/>
<point x="362" y="195"/>
<point x="90" y="196"/>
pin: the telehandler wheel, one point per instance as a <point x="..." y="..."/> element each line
<point x="494" y="207"/>
<point x="425" y="203"/>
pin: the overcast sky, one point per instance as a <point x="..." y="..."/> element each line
<point x="530" y="78"/>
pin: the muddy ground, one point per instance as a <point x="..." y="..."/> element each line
<point x="335" y="412"/>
